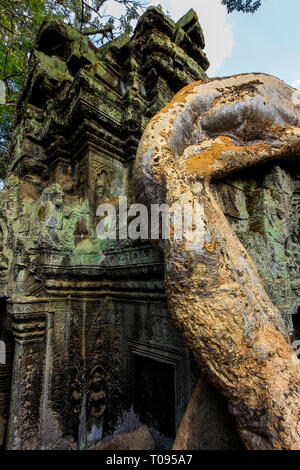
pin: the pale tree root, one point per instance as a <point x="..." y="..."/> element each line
<point x="215" y="295"/>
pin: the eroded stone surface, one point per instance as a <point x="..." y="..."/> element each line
<point x="196" y="431"/>
<point x="81" y="309"/>
<point x="138" y="440"/>
<point x="262" y="206"/>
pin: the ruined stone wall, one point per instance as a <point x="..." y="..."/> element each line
<point x="262" y="205"/>
<point x="82" y="308"/>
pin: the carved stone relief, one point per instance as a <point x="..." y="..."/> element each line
<point x="85" y="367"/>
<point x="96" y="404"/>
<point x="101" y="177"/>
<point x="63" y="176"/>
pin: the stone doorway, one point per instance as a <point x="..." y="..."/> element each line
<point x="153" y="394"/>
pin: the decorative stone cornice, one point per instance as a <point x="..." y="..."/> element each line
<point x="28" y="318"/>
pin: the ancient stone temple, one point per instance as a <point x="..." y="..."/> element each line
<point x="89" y="347"/>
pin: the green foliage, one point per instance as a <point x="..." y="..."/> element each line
<point x="246" y="6"/>
<point x="19" y="23"/>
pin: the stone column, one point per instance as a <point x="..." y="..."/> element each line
<point x="29" y="325"/>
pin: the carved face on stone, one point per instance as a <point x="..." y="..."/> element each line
<point x="101" y="186"/>
<point x="54" y="195"/>
<point x="59" y="200"/>
<point x="76" y="397"/>
<point x="97" y="396"/>
<point x="64" y="179"/>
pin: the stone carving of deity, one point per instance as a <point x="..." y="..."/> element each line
<point x="101" y="191"/>
<point x="96" y="405"/>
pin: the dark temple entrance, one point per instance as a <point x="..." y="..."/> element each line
<point x="296" y="324"/>
<point x="154" y="398"/>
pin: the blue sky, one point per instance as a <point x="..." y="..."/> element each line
<point x="267" y="41"/>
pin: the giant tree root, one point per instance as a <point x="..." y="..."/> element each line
<point x="215" y="295"/>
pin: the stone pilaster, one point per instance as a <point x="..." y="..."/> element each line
<point x="29" y="325"/>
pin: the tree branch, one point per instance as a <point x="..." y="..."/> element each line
<point x="107" y="29"/>
<point x="5" y="66"/>
<point x="82" y="14"/>
<point x="12" y="75"/>
<point x="10" y="103"/>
